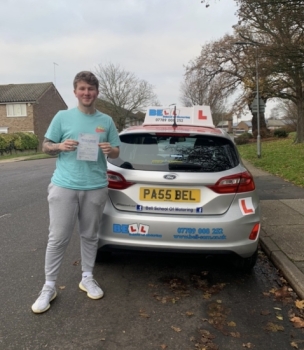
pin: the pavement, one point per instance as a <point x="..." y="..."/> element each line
<point x="18" y="159"/>
<point x="282" y="224"/>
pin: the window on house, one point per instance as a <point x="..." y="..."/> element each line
<point x="16" y="110"/>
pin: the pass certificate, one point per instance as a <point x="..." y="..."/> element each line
<point x="87" y="148"/>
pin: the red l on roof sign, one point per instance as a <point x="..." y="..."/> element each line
<point x="201" y="115"/>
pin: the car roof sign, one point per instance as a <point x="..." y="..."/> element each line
<point x="196" y="115"/>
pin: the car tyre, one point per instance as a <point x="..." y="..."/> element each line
<point x="246" y="264"/>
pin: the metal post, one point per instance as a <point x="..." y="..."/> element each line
<point x="257" y="93"/>
<point x="258" y="103"/>
<point x="55" y="64"/>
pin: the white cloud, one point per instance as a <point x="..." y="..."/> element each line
<point x="153" y="39"/>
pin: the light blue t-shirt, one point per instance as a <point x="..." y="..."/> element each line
<point x="79" y="174"/>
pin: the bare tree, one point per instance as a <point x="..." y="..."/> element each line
<point x="287" y="111"/>
<point x="275" y="30"/>
<point x="124" y="93"/>
<point x="276" y="2"/>
<point x="197" y="90"/>
<point x="231" y="70"/>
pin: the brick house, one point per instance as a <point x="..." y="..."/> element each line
<point x="243" y="126"/>
<point x="29" y="108"/>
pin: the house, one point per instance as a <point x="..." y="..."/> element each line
<point x="243" y="126"/>
<point x="137" y="118"/>
<point x="273" y="124"/>
<point x="132" y="119"/>
<point x="226" y="125"/>
<point x="29" y="108"/>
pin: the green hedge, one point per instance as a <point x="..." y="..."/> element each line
<point x="280" y="133"/>
<point x="20" y="141"/>
<point x="243" y="138"/>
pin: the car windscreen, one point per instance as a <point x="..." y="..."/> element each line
<point x="198" y="153"/>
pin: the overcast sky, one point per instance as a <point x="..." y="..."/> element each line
<point x="153" y="39"/>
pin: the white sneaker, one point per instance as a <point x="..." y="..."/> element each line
<point x="89" y="285"/>
<point x="46" y="295"/>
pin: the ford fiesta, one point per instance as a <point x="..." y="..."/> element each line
<point x="179" y="185"/>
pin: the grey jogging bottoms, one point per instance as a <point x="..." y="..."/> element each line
<point x="65" y="207"/>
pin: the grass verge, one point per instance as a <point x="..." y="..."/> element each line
<point x="280" y="157"/>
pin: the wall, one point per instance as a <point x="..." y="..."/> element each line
<point x="242" y="126"/>
<point x="46" y="108"/>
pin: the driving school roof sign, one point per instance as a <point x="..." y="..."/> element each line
<point x="196" y="115"/>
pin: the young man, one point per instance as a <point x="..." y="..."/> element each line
<point x="82" y="138"/>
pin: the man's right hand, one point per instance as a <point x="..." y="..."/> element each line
<point x="68" y="145"/>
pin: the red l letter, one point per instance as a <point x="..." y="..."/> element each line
<point x="201" y="115"/>
<point x="142" y="230"/>
<point x="246" y="210"/>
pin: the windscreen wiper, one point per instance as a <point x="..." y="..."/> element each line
<point x="127" y="165"/>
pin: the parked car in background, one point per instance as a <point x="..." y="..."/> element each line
<point x="179" y="185"/>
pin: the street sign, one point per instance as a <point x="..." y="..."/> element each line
<point x="254" y="105"/>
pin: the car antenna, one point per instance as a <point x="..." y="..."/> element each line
<point x="174" y="117"/>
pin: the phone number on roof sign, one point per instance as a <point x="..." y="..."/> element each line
<point x="178" y="120"/>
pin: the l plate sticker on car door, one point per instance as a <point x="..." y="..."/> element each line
<point x="246" y="206"/>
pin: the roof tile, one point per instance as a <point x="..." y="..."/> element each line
<point x="22" y="92"/>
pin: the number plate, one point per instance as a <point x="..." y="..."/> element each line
<point x="170" y="195"/>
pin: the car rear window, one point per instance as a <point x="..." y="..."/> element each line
<point x="198" y="153"/>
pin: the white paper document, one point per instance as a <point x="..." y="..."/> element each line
<point x="87" y="148"/>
